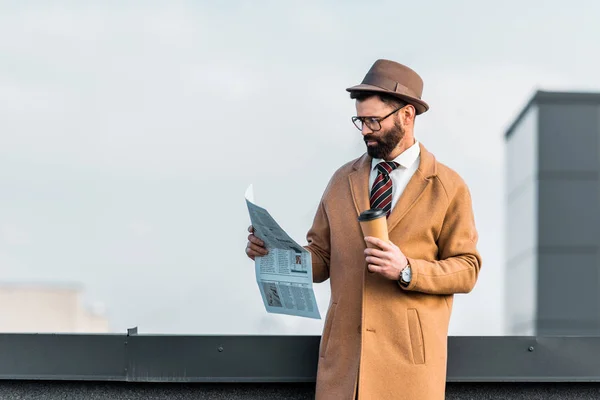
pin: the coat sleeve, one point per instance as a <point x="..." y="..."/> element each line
<point x="319" y="244"/>
<point x="459" y="262"/>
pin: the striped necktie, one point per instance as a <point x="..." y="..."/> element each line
<point x="381" y="192"/>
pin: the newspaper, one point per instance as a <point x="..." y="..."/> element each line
<point x="284" y="276"/>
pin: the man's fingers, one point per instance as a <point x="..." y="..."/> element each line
<point x="251" y="253"/>
<point x="376" y="253"/>
<point x="375" y="260"/>
<point x="255" y="240"/>
<point x="378" y="242"/>
<point x="256" y="249"/>
<point x="374" y="268"/>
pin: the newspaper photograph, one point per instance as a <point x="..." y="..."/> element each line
<point x="284" y="276"/>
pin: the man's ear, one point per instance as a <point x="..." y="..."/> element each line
<point x="408" y="114"/>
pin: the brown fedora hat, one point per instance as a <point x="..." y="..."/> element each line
<point x="395" y="79"/>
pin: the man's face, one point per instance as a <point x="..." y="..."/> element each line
<point x="381" y="143"/>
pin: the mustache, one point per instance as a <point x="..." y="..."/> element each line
<point x="367" y="138"/>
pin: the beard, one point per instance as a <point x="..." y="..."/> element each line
<point x="387" y="141"/>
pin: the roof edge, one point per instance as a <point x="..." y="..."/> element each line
<point x="552" y="97"/>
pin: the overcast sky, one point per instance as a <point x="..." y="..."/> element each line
<point x="129" y="132"/>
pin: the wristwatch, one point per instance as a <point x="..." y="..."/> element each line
<point x="406" y="275"/>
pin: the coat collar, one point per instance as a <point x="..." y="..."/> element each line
<point x="359" y="185"/>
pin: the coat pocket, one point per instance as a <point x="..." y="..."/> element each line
<point x="327" y="330"/>
<point x="416" y="336"/>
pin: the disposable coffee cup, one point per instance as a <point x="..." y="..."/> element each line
<point x="373" y="223"/>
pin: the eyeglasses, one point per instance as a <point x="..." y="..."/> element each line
<point x="373" y="123"/>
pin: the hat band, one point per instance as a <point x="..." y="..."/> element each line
<point x="387" y="84"/>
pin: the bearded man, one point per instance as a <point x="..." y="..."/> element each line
<point x="386" y="329"/>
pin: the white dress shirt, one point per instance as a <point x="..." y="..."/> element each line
<point x="409" y="163"/>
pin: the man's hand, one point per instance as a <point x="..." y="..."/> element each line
<point x="389" y="261"/>
<point x="255" y="246"/>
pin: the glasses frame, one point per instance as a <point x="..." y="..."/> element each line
<point x="372" y="120"/>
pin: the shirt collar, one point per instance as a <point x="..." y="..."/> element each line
<point x="405" y="159"/>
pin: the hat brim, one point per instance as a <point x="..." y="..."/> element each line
<point x="420" y="105"/>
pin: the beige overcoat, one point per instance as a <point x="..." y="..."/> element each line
<point x="384" y="340"/>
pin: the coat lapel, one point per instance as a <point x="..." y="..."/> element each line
<point x="359" y="183"/>
<point x="415" y="188"/>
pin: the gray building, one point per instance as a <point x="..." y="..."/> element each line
<point x="553" y="216"/>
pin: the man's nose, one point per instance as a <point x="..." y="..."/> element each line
<point x="366" y="130"/>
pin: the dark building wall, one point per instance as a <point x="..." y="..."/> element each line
<point x="553" y="216"/>
<point x="568" y="219"/>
